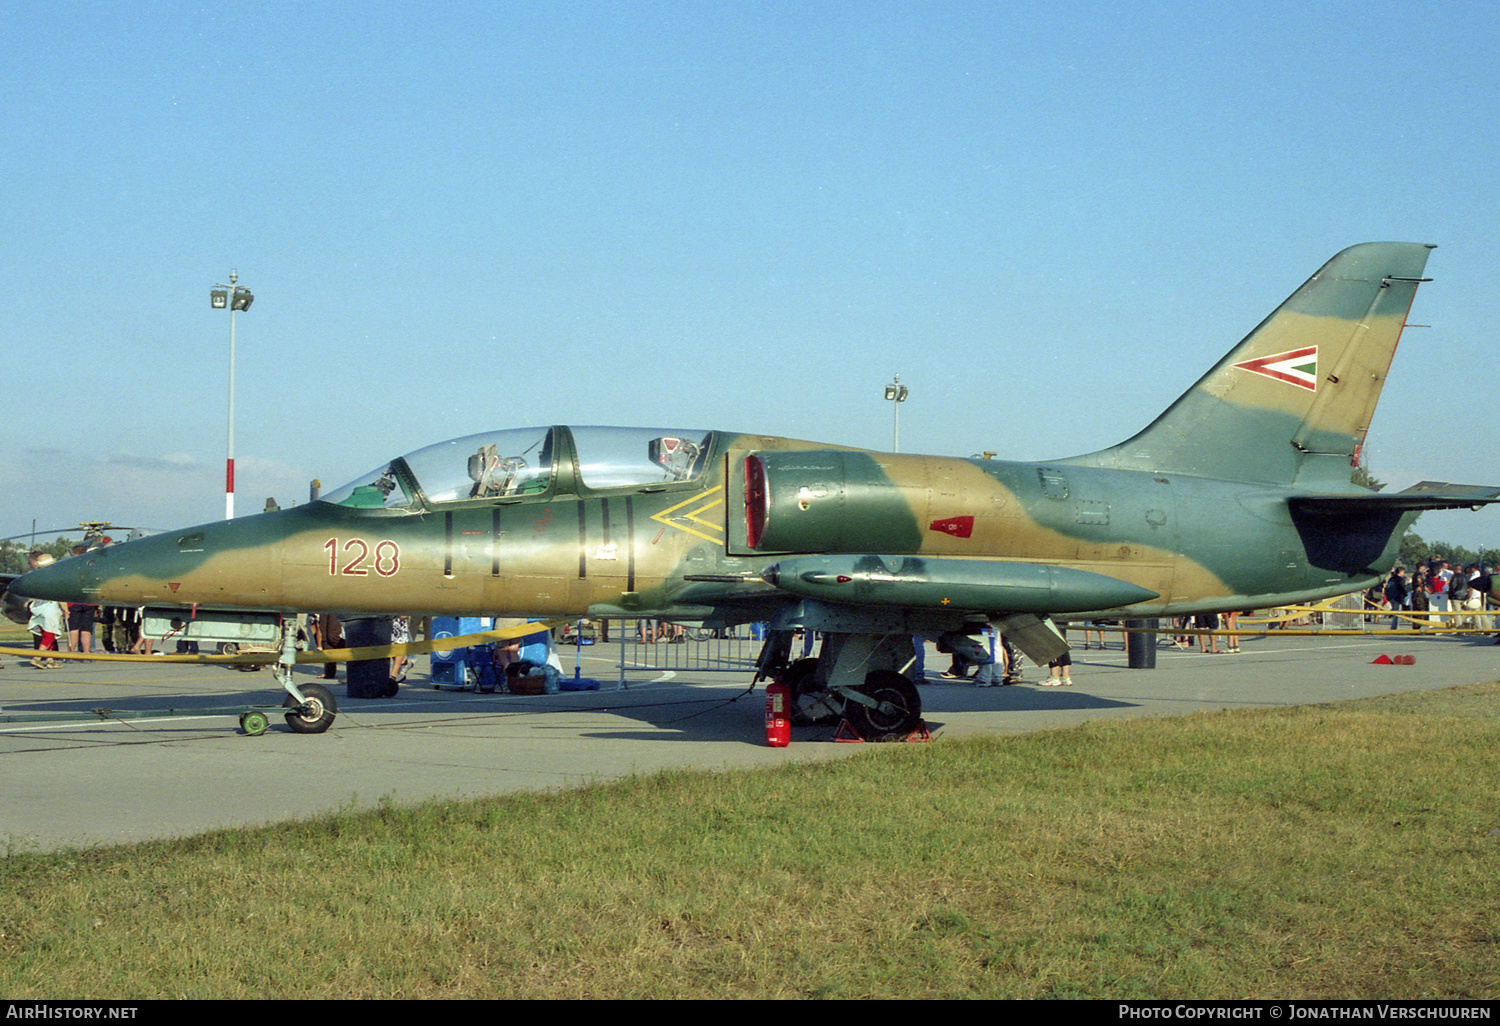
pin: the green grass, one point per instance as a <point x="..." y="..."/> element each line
<point x="1318" y="852"/>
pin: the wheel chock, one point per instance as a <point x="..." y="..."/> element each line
<point x="846" y="734"/>
<point x="1381" y="660"/>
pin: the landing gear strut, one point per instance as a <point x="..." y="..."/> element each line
<point x="311" y="708"/>
<point x="811" y="702"/>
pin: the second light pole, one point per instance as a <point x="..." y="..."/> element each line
<point x="896" y="393"/>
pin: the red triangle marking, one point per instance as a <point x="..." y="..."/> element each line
<point x="958" y="527"/>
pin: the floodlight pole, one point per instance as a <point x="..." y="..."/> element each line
<point x="896" y="393"/>
<point x="229" y="457"/>
<point x="236" y="299"/>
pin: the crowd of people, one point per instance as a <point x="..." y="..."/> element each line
<point x="1461" y="594"/>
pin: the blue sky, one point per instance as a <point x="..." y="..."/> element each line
<point x="1048" y="218"/>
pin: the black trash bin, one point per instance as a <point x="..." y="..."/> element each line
<point x="1140" y="646"/>
<point x="368" y="678"/>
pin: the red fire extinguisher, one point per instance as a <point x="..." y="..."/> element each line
<point x="778" y="715"/>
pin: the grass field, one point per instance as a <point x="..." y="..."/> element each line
<point x="1320" y="852"/>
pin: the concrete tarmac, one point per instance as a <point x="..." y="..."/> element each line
<point x="89" y="782"/>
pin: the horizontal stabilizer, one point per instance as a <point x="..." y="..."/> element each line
<point x="1424" y="495"/>
<point x="918" y="582"/>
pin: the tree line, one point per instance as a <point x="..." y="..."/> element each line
<point x="1414" y="550"/>
<point x="13" y="554"/>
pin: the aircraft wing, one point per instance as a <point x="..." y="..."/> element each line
<point x="1424" y="495"/>
<point x="732" y="598"/>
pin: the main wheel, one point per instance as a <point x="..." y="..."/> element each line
<point x="898" y="709"/>
<point x="811" y="702"/>
<point x="314" y="717"/>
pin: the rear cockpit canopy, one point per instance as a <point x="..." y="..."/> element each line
<point x="529" y="461"/>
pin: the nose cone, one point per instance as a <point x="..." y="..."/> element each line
<point x="111" y="574"/>
<point x="58" y="582"/>
<point x="230" y="564"/>
<point x="130" y="573"/>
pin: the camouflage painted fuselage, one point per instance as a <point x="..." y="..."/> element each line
<point x="1194" y="544"/>
<point x="1238" y="496"/>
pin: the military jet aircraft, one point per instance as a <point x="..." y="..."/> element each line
<point x="1238" y="496"/>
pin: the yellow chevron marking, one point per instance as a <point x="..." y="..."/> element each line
<point x="684" y="519"/>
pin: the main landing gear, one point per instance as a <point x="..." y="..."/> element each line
<point x="811" y="701"/>
<point x="855" y="681"/>
<point x="886" y="707"/>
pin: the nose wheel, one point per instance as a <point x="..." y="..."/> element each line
<point x="315" y="713"/>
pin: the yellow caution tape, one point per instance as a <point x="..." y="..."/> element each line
<point x="329" y="655"/>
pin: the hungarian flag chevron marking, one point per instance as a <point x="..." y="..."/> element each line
<point x="1298" y="367"/>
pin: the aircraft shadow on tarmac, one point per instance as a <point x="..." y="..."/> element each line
<point x="1013" y="698"/>
<point x="739" y="720"/>
<point x="665" y="714"/>
<point x="137" y="703"/>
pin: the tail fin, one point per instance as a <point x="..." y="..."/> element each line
<point x="1294" y="399"/>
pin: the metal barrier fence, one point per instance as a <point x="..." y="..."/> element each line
<point x="1348" y="612"/>
<point x="653" y="645"/>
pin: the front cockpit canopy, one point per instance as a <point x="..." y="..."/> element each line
<point x="524" y="461"/>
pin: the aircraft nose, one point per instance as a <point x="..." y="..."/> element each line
<point x="58" y="582"/>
